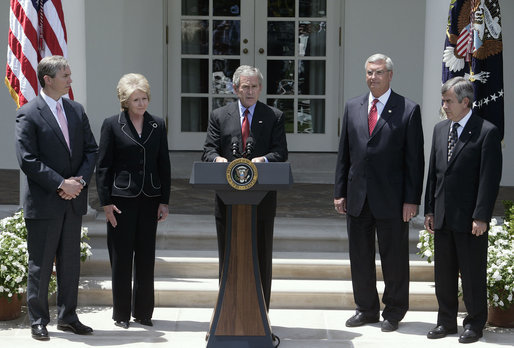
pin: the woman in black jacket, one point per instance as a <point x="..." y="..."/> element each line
<point x="133" y="179"/>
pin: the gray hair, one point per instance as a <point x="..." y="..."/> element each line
<point x="246" y="70"/>
<point x="462" y="87"/>
<point x="49" y="66"/>
<point x="128" y="84"/>
<point x="377" y="57"/>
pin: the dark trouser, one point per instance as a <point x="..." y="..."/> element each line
<point x="265" y="227"/>
<point x="455" y="251"/>
<point x="49" y="239"/>
<point x="393" y="244"/>
<point x="132" y="242"/>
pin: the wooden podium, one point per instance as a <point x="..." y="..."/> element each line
<point x="240" y="318"/>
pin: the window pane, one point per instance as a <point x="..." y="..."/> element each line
<point x="225" y="37"/>
<point x="284" y="8"/>
<point x="312" y="38"/>
<point x="222" y="72"/>
<point x="195" y="7"/>
<point x="195" y="37"/>
<point x="281" y="38"/>
<point x="195" y="74"/>
<point x="226" y="7"/>
<point x="311" y="77"/>
<point x="313" y="8"/>
<point x="195" y="114"/>
<point x="287" y="107"/>
<point x="219" y="102"/>
<point x="280" y="76"/>
<point x="311" y="116"/>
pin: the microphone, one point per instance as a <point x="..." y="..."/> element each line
<point x="250" y="146"/>
<point x="235" y="147"/>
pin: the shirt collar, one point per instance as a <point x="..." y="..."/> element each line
<point x="52" y="103"/>
<point x="242" y="109"/>
<point x="463" y="120"/>
<point x="382" y="99"/>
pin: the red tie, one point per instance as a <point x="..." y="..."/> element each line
<point x="373" y="116"/>
<point x="245" y="129"/>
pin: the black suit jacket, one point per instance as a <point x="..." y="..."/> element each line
<point x="267" y="130"/>
<point x="465" y="188"/>
<point x="387" y="167"/>
<point x="46" y="160"/>
<point x="129" y="165"/>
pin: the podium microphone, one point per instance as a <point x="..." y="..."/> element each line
<point x="250" y="145"/>
<point x="235" y="147"/>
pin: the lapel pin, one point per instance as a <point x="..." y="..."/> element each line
<point x="154" y="124"/>
<point x="260" y="121"/>
<point x="389" y="111"/>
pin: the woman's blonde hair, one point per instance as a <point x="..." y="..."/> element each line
<point x="128" y="84"/>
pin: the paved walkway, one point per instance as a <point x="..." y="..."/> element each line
<point x="186" y="328"/>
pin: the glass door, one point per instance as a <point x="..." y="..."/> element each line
<point x="293" y="42"/>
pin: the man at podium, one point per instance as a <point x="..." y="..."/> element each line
<point x="248" y="128"/>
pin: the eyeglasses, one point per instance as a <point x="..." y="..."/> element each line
<point x="376" y="72"/>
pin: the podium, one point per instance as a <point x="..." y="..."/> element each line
<point x="240" y="318"/>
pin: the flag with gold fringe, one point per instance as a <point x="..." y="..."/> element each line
<point x="473" y="48"/>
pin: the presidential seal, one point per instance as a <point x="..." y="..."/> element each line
<point x="241" y="174"/>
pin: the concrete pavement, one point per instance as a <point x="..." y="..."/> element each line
<point x="186" y="328"/>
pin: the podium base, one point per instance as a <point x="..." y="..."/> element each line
<point x="240" y="342"/>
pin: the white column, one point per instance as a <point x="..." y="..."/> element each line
<point x="436" y="19"/>
<point x="75" y="19"/>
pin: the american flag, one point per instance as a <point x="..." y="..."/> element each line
<point x="36" y="30"/>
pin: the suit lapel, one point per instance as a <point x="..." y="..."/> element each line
<point x="363" y="128"/>
<point x="466" y="134"/>
<point x="386" y="114"/>
<point x="234" y="123"/>
<point x="149" y="126"/>
<point x="125" y="128"/>
<point x="49" y="117"/>
<point x="257" y="121"/>
<point x="443" y="144"/>
<point x="73" y="122"/>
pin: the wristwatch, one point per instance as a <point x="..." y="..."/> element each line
<point x="83" y="182"/>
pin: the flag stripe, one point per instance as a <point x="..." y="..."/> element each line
<point x="24" y="50"/>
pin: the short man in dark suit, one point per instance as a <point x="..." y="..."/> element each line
<point x="266" y="127"/>
<point x="462" y="185"/>
<point x="378" y="184"/>
<point x="57" y="152"/>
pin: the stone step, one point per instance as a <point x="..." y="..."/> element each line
<point x="198" y="232"/>
<point x="286" y="265"/>
<point x="286" y="293"/>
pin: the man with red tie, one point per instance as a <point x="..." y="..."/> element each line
<point x="230" y="126"/>
<point x="378" y="185"/>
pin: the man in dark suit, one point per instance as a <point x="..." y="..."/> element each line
<point x="266" y="126"/>
<point x="463" y="181"/>
<point x="57" y="152"/>
<point x="378" y="184"/>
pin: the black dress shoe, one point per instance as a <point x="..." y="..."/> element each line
<point x="76" y="327"/>
<point x="360" y="319"/>
<point x="389" y="325"/>
<point x="39" y="332"/>
<point x="146" y="322"/>
<point x="440" y="332"/>
<point x="469" y="336"/>
<point x="122" y="323"/>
